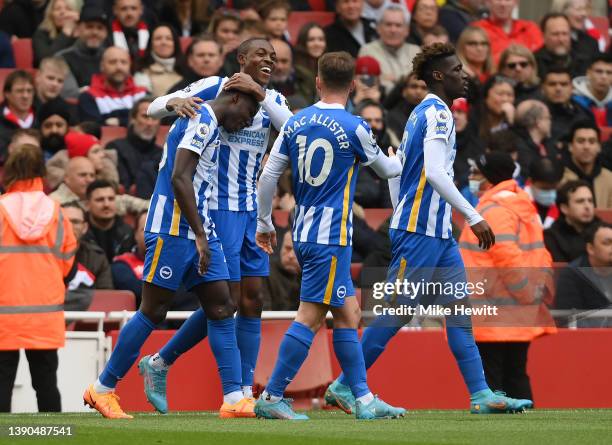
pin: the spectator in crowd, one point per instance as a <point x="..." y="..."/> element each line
<point x="437" y="34"/>
<point x="533" y="126"/>
<point x="204" y="59"/>
<point x="456" y="15"/>
<point x="49" y="80"/>
<point x="91" y="269"/>
<point x="391" y="51"/>
<point x="37" y="255"/>
<point x="127" y="268"/>
<point x="162" y="64"/>
<point x="226" y="27"/>
<point x="474" y="52"/>
<point x="374" y="9"/>
<point x="7" y="59"/>
<point x="250" y="29"/>
<point x="130" y="32"/>
<point x="281" y="288"/>
<point x="23" y="136"/>
<point x="558" y="49"/>
<point x="424" y="18"/>
<point x="544" y="179"/>
<point x="20" y="18"/>
<point x="83" y="58"/>
<point x="138" y="153"/>
<point x="283" y="75"/>
<point x="57" y="30"/>
<point x="593" y="92"/>
<point x="519" y="64"/>
<point x="371" y="191"/>
<point x="54" y="122"/>
<point x="466" y="148"/>
<point x="584" y="149"/>
<point x="112" y="92"/>
<point x="564" y="238"/>
<point x="587" y="283"/>
<point x="89" y="127"/>
<point x="577" y="12"/>
<point x="106" y="228"/>
<point x="367" y="80"/>
<point x="405" y="96"/>
<point x="564" y="110"/>
<point x="349" y="32"/>
<point x="274" y="15"/>
<point x="509" y="211"/>
<point x="503" y="30"/>
<point x="310" y="46"/>
<point x="79" y="173"/>
<point x="186" y="17"/>
<point x="17" y="109"/>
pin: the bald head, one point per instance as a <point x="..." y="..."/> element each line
<point x="79" y="174"/>
<point x="115" y="66"/>
<point x="284" y="60"/>
<point x="534" y="116"/>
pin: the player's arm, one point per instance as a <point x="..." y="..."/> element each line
<point x="395" y="182"/>
<point x="275" y="166"/>
<point x="368" y="153"/>
<point x="185" y="102"/>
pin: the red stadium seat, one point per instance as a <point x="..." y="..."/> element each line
<point x="185" y="41"/>
<point x="317" y="5"/>
<point x="4" y="72"/>
<point x="375" y="217"/>
<point x="606" y="132"/>
<point x="160" y="139"/>
<point x="280" y="218"/>
<point x="107" y="301"/>
<point x="22" y="50"/>
<point x="604" y="215"/>
<point x="112" y="133"/>
<point x="298" y="19"/>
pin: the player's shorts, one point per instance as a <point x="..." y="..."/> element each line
<point x="420" y="258"/>
<point x="172" y="260"/>
<point x="236" y="230"/>
<point x="326" y="273"/>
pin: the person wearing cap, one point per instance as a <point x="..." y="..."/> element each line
<point x="367" y="81"/>
<point x="514" y="272"/>
<point x="53" y="120"/>
<point x="84" y="56"/>
<point x="350" y="31"/>
<point x="391" y="51"/>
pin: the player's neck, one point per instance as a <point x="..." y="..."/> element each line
<point x="334" y="98"/>
<point x="440" y="93"/>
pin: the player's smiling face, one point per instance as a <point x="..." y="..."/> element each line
<point x="259" y="61"/>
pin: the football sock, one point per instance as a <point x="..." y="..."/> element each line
<point x="248" y="336"/>
<point x="247" y="391"/>
<point x="349" y="354"/>
<point x="131" y="338"/>
<point x="462" y="344"/>
<point x="191" y="332"/>
<point x="366" y="399"/>
<point x="101" y="389"/>
<point x="233" y="397"/>
<point x="157" y="362"/>
<point x="222" y="340"/>
<point x="291" y="354"/>
<point x="267" y="397"/>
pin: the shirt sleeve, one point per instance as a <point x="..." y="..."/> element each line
<point x="439" y="124"/>
<point x="274" y="168"/>
<point x="276" y="106"/>
<point x="205" y="89"/>
<point x="198" y="134"/>
<point x="365" y="149"/>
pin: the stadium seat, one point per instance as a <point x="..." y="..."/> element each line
<point x="280" y="218"/>
<point x="602" y="24"/>
<point x="112" y="133"/>
<point x="185" y="41"/>
<point x="317" y="5"/>
<point x="24" y="56"/>
<point x="160" y="139"/>
<point x="4" y="72"/>
<point x="107" y="301"/>
<point x="604" y="215"/>
<point x="356" y="271"/>
<point x="606" y="132"/>
<point x="300" y="18"/>
<point x="376" y="217"/>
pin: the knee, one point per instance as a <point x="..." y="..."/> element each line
<point x="156" y="314"/>
<point x="251" y="301"/>
<point x="221" y="311"/>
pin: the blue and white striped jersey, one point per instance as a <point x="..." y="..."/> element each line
<point x="200" y="135"/>
<point x="420" y="208"/>
<point x="325" y="144"/>
<point x="240" y="153"/>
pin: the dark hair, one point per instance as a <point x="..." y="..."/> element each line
<point x="91" y="127"/>
<point x="73" y="205"/>
<point x="591" y="230"/>
<point x="14" y="77"/>
<point x="503" y="141"/>
<point x="550" y="16"/>
<point x="428" y="59"/>
<point x="32" y="132"/>
<point x="556" y="69"/>
<point x="337" y="69"/>
<point x="266" y="7"/>
<point x="25" y="162"/>
<point x="224" y="15"/>
<point x="301" y="47"/>
<point x="601" y="57"/>
<point x="545" y="170"/>
<point x="437" y="30"/>
<point x="99" y="184"/>
<point x="570" y="187"/>
<point x="195" y="41"/>
<point x="368" y="103"/>
<point x="147" y="60"/>
<point x="136" y="106"/>
<point x="244" y="47"/>
<point x="584" y="124"/>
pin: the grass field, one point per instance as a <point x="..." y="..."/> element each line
<point x="327" y="428"/>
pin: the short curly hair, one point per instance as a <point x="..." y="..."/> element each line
<point x="425" y="61"/>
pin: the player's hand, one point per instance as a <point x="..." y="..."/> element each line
<point x="186" y="107"/>
<point x="245" y="83"/>
<point x="203" y="252"/>
<point x="391" y="151"/>
<point x="484" y="233"/>
<point x="266" y="241"/>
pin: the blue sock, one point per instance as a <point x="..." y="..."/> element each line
<point x="192" y="332"/>
<point x="248" y="336"/>
<point x="461" y="343"/>
<point x="374" y="341"/>
<point x="131" y="338"/>
<point x="291" y="354"/>
<point x="222" y="340"/>
<point x="350" y="355"/>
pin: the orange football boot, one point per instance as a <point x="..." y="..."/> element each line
<point x="106" y="404"/>
<point x="245" y="408"/>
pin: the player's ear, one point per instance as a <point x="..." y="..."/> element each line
<point x="318" y="83"/>
<point x="437" y="75"/>
<point x="353" y="86"/>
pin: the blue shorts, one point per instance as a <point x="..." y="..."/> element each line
<point x="172" y="260"/>
<point x="326" y="273"/>
<point x="236" y="230"/>
<point x="426" y="259"/>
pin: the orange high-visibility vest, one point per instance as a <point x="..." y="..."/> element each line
<point x="517" y="270"/>
<point x="37" y="248"/>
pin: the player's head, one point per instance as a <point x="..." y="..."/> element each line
<point x="336" y="73"/>
<point x="257" y="58"/>
<point x="236" y="110"/>
<point x="440" y="68"/>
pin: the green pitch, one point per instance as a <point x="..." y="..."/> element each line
<point x="327" y="428"/>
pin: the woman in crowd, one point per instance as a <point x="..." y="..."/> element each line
<point x="519" y="64"/>
<point x="162" y="64"/>
<point x="310" y="46"/>
<point x="187" y="17"/>
<point x="424" y="18"/>
<point x="56" y="32"/>
<point x="225" y="27"/>
<point x="474" y="52"/>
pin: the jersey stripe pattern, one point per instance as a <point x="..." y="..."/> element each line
<point x="325" y="145"/>
<point x="200" y="135"/>
<point x="240" y="153"/>
<point x="420" y="208"/>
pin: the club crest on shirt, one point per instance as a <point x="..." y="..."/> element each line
<point x="442" y="116"/>
<point x="203" y="130"/>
